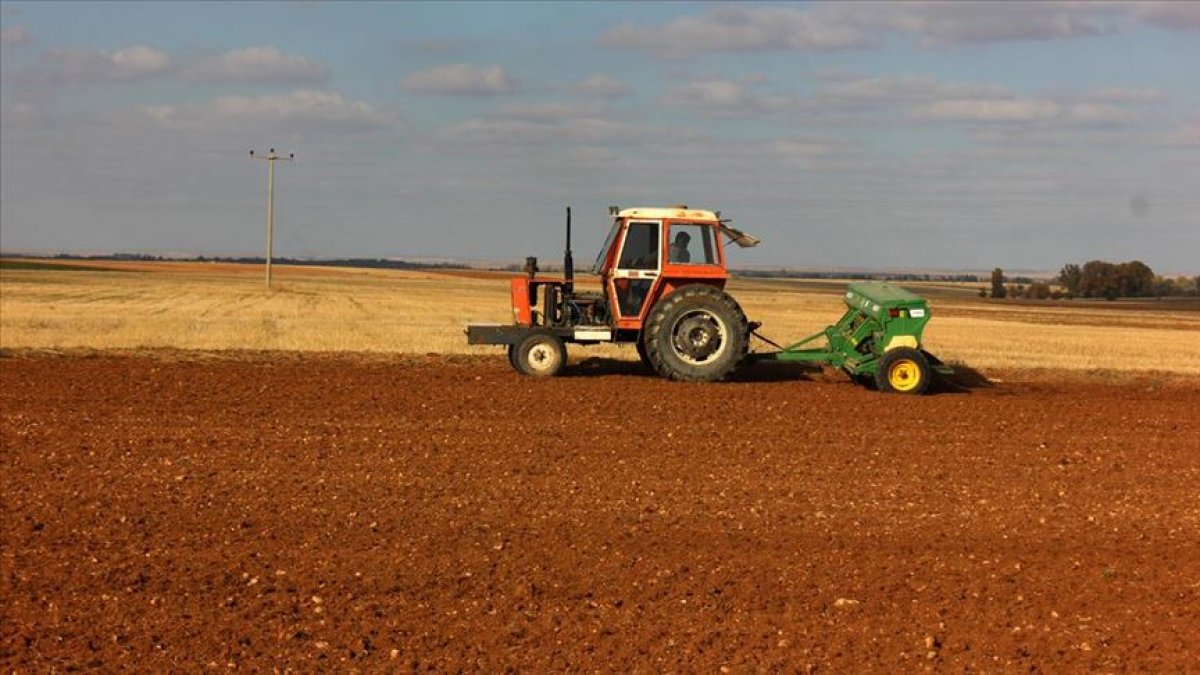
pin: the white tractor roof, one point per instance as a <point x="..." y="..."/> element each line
<point x="675" y="212"/>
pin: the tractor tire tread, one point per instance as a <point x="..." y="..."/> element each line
<point x="656" y="338"/>
<point x="520" y="354"/>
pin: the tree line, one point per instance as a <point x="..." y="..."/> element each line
<point x="1097" y="279"/>
<point x="787" y="273"/>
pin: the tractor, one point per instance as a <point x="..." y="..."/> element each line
<point x="662" y="277"/>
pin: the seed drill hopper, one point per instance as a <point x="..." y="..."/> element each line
<point x="877" y="341"/>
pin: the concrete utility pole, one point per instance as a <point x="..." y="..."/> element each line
<point x="270" y="159"/>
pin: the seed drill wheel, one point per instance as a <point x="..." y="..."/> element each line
<point x="903" y="371"/>
<point x="698" y="333"/>
<point x="540" y="355"/>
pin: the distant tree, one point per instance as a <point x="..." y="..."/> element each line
<point x="983" y="292"/>
<point x="1099" y="280"/>
<point x="998" y="290"/>
<point x="1180" y="286"/>
<point x="1070" y="276"/>
<point x="1102" y="279"/>
<point x="1134" y="279"/>
<point x="1038" y="290"/>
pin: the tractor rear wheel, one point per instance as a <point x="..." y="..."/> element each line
<point x="642" y="354"/>
<point x="903" y="371"/>
<point x="698" y="333"/>
<point x="540" y="355"/>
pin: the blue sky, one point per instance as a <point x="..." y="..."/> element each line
<point x="883" y="135"/>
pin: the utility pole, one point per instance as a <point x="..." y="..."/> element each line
<point x="270" y="159"/>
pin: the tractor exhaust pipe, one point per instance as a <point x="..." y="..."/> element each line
<point x="568" y="260"/>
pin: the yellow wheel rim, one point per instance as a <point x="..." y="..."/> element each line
<point x="904" y="375"/>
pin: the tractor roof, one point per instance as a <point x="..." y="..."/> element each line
<point x="674" y="212"/>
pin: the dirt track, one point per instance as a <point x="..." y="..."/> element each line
<point x="335" y="512"/>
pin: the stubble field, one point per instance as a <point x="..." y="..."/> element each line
<point x="211" y="306"/>
<point x="186" y="508"/>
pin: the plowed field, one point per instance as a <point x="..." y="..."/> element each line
<point x="352" y="513"/>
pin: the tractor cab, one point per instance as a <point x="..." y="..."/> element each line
<point x="650" y="252"/>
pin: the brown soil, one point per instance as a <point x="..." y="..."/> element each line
<point x="344" y="513"/>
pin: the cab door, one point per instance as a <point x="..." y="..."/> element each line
<point x="638" y="266"/>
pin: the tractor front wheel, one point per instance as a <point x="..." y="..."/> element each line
<point x="698" y="333"/>
<point x="903" y="371"/>
<point x="540" y="355"/>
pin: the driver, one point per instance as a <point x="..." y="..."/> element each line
<point x="678" y="252"/>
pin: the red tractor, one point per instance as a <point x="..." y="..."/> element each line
<point x="662" y="277"/>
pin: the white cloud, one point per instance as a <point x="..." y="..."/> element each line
<point x="855" y="99"/>
<point x="985" y="110"/>
<point x="1187" y="135"/>
<point x="548" y="124"/>
<point x="251" y="64"/>
<point x="547" y="112"/>
<point x="255" y="64"/>
<point x="927" y="99"/>
<point x="796" y="148"/>
<point x="300" y="108"/>
<point x="24" y="115"/>
<point x="1098" y="114"/>
<point x="17" y="35"/>
<point x="603" y="86"/>
<point x="462" y="78"/>
<point x="580" y="131"/>
<point x="718" y="97"/>
<point x="740" y="160"/>
<point x="1172" y="15"/>
<point x="827" y="26"/>
<point x="739" y="28"/>
<point x="1022" y="111"/>
<point x="1125" y="95"/>
<point x="871" y="92"/>
<point x="935" y="24"/>
<point x="711" y="95"/>
<point x="132" y="63"/>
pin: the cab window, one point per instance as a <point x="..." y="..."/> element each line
<point x="603" y="256"/>
<point x="640" y="251"/>
<point x="690" y="244"/>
